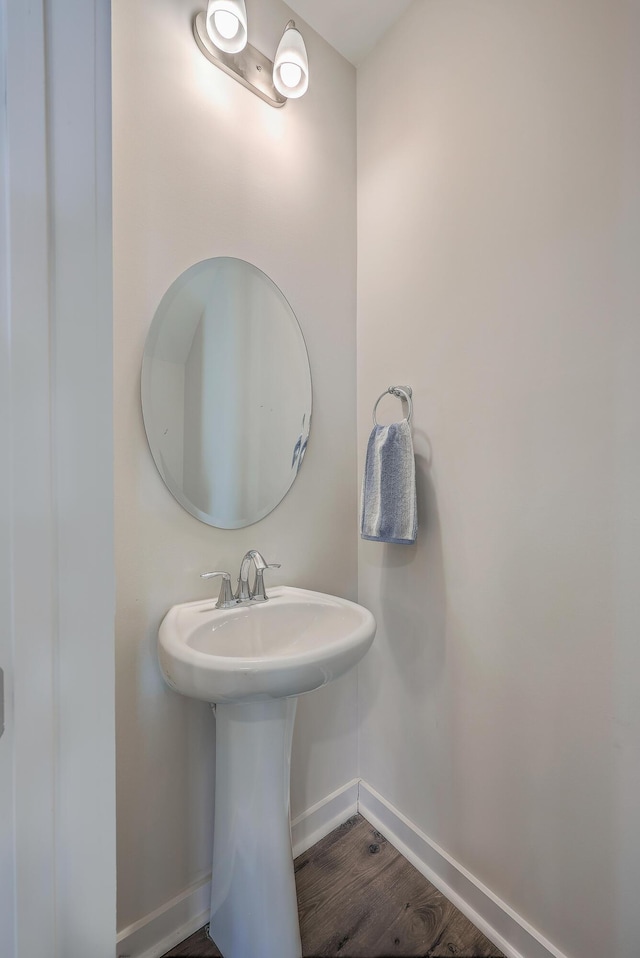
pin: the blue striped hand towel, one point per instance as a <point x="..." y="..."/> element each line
<point x="388" y="507"/>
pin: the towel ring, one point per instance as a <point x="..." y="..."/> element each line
<point x="402" y="392"/>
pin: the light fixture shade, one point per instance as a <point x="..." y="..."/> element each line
<point x="291" y="64"/>
<point x="227" y="24"/>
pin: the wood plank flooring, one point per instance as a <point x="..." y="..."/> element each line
<point x="359" y="898"/>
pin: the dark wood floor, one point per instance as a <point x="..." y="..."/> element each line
<point x="359" y="898"/>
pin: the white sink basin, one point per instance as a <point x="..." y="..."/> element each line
<point x="295" y="642"/>
<point x="252" y="661"/>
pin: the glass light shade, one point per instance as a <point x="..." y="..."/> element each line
<point x="291" y="65"/>
<point x="227" y="24"/>
<point x="290" y="74"/>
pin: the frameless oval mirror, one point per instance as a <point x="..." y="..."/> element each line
<point x="226" y="392"/>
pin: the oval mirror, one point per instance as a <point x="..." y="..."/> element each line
<point x="226" y="392"/>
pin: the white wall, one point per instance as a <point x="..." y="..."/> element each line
<point x="498" y="159"/>
<point x="203" y="168"/>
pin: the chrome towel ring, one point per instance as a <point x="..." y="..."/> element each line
<point x="402" y="392"/>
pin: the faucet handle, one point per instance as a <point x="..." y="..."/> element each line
<point x="225" y="599"/>
<point x="259" y="595"/>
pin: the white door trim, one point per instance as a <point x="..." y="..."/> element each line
<point x="7" y="809"/>
<point x="59" y="505"/>
<point x="31" y="513"/>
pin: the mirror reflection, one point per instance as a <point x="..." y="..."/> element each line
<point x="226" y="392"/>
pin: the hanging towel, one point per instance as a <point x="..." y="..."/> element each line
<point x="388" y="507"/>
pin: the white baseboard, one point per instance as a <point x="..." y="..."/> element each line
<point x="168" y="925"/>
<point x="319" y="820"/>
<point x="158" y="932"/>
<point x="506" y="929"/>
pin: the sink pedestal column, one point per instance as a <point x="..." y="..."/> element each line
<point x="254" y="908"/>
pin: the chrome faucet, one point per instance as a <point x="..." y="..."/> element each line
<point x="227" y="599"/>
<point x="243" y="592"/>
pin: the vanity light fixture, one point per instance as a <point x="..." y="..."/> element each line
<point x="221" y="35"/>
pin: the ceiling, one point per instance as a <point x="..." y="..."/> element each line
<point x="353" y="27"/>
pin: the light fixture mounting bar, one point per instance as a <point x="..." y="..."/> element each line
<point x="250" y="67"/>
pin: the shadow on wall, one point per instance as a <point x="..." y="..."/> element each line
<point x="412" y="590"/>
<point x="404" y="698"/>
<point x="410" y="602"/>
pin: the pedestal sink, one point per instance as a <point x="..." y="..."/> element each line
<point x="252" y="661"/>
